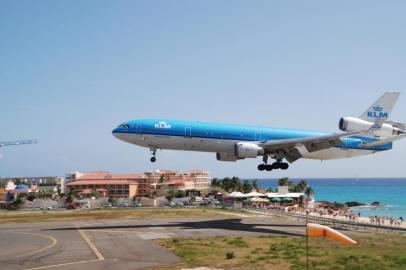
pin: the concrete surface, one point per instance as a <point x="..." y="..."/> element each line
<point x="119" y="244"/>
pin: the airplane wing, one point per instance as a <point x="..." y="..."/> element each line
<point x="17" y="142"/>
<point x="292" y="147"/>
<point x="384" y="141"/>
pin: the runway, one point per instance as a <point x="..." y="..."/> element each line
<point x="119" y="244"/>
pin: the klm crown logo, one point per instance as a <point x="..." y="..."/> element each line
<point x="377" y="108"/>
<point x="378" y="112"/>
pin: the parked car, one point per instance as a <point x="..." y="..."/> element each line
<point x="180" y="204"/>
<point x="137" y="204"/>
<point x="172" y="204"/>
<point x="123" y="204"/>
<point x="106" y="205"/>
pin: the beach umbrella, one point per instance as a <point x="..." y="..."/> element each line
<point x="276" y="199"/>
<point x="287" y="199"/>
<point x="259" y="200"/>
<point x="255" y="194"/>
<point x="232" y="194"/>
<point x="240" y="195"/>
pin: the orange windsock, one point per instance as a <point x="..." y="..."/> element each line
<point x="317" y="230"/>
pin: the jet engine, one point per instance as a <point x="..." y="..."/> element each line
<point x="247" y="150"/>
<point x="351" y="124"/>
<point x="226" y="157"/>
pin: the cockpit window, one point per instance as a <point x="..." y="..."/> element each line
<point x="125" y="126"/>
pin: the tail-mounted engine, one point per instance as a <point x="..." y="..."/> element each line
<point x="351" y="124"/>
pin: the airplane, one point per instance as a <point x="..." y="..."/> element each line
<point x="370" y="133"/>
<point x="17" y="142"/>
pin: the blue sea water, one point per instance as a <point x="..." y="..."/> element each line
<point x="390" y="192"/>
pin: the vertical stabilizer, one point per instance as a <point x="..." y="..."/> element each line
<point x="382" y="108"/>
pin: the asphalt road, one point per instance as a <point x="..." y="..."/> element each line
<point x="119" y="244"/>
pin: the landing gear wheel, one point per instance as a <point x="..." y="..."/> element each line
<point x="284" y="166"/>
<point x="153" y="152"/>
<point x="268" y="167"/>
<point x="276" y="165"/>
<point x="261" y="167"/>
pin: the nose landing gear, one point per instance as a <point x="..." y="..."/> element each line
<point x="153" y="152"/>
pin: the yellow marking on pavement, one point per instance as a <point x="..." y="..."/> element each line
<point x="61" y="264"/>
<point x="91" y="245"/>
<point x="54" y="242"/>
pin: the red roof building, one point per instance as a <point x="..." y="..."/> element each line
<point x="129" y="185"/>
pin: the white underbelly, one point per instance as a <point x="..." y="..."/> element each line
<point x="336" y="153"/>
<point x="180" y="143"/>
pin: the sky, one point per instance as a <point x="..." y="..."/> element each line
<point x="71" y="71"/>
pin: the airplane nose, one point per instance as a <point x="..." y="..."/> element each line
<point x="115" y="132"/>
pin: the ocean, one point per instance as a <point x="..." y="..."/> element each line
<point x="390" y="192"/>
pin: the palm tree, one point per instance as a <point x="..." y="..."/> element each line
<point x="301" y="186"/>
<point x="246" y="187"/>
<point x="215" y="182"/>
<point x="309" y="191"/>
<point x="255" y="185"/>
<point x="283" y="181"/>
<point x="286" y="182"/>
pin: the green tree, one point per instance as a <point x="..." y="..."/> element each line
<point x="215" y="182"/>
<point x="301" y="186"/>
<point x="95" y="193"/>
<point x="246" y="187"/>
<point x="162" y="179"/>
<point x="170" y="195"/>
<point x="286" y="182"/>
<point x="18" y="202"/>
<point x="255" y="184"/>
<point x="69" y="198"/>
<point x="235" y="183"/>
<point x="180" y="194"/>
<point x="309" y="192"/>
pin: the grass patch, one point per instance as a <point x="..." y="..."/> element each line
<point x="374" y="252"/>
<point x="96" y="214"/>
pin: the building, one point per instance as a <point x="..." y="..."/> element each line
<point x="60" y="184"/>
<point x="153" y="183"/>
<point x="107" y="184"/>
<point x="39" y="182"/>
<point x="201" y="179"/>
<point x="175" y="180"/>
<point x="16" y="191"/>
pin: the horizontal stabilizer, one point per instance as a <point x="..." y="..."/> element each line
<point x="384" y="141"/>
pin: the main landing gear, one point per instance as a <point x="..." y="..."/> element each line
<point x="279" y="164"/>
<point x="153" y="152"/>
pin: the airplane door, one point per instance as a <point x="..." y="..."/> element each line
<point x="138" y="129"/>
<point x="188" y="132"/>
<point x="258" y="136"/>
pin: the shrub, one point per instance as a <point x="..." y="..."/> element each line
<point x="230" y="255"/>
